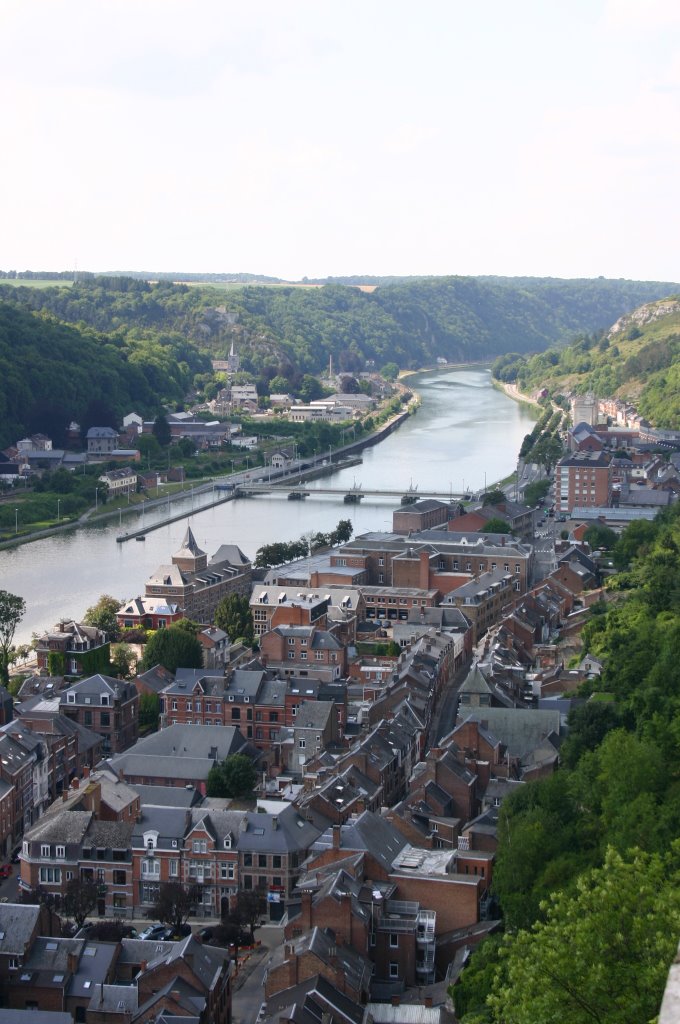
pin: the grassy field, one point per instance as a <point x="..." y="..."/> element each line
<point x="20" y="282"/>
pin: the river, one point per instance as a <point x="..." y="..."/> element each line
<point x="464" y="433"/>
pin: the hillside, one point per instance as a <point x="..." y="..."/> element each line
<point x="412" y="323"/>
<point x="637" y="359"/>
<point x="51" y="373"/>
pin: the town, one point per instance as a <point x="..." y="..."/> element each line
<point x="329" y="769"/>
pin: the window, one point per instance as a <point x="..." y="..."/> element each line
<point x="50" y="875"/>
<point x="276" y="861"/>
<point x="303" y="655"/>
<point x="87" y="718"/>
<point x="291" y="641"/>
<point x="291" y="655"/>
<point x="105" y="718"/>
<point x="200" y="846"/>
<point x="319" y="655"/>
<point x="198" y="706"/>
<point x="236" y="714"/>
<point x="61" y="852"/>
<point x="174" y="867"/>
<point x="71" y="698"/>
<point x="381" y="561"/>
<point x="302" y="744"/>
<point x="151" y="867"/>
<point x="394" y="969"/>
<point x="262" y="860"/>
<point x="120" y="877"/>
<point x="258" y="716"/>
<point x="190" y="705"/>
<point x="381" y="577"/>
<point x="273" y="716"/>
<point x="247" y="881"/>
<point x="247" y="860"/>
<point x="394" y="940"/>
<point x="517" y="567"/>
<point x="13" y="963"/>
<point x="226" y="871"/>
<point x="44" y="851"/>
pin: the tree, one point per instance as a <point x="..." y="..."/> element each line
<point x="310" y="388"/>
<point x="495" y="525"/>
<point x="535" y="492"/>
<point x="12" y="609"/>
<point x="234" y="777"/>
<point x="279" y="385"/>
<point x="250" y="906"/>
<point x="161" y="430"/>
<point x="603" y="951"/>
<point x="123" y="661"/>
<point x="149" y="711"/>
<point x="80" y="899"/>
<point x="600" y="536"/>
<point x="342" y="532"/>
<point x="234" y="616"/>
<point x="174" y="903"/>
<point x="390" y="371"/>
<point x="495" y="497"/>
<point x="102" y="614"/>
<point x="173" y="648"/>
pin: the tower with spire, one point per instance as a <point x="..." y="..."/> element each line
<point x="190" y="558"/>
<point x="233" y="361"/>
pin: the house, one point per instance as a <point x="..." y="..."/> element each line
<point x="73" y="844"/>
<point x="120" y="481"/>
<point x="190" y="977"/>
<point x="108" y="706"/>
<point x="101" y="440"/>
<point x="422" y="514"/>
<point x="74" y="649"/>
<point x="148" y="613"/>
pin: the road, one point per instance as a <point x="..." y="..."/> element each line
<point x="249" y="984"/>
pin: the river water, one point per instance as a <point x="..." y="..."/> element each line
<point x="464" y="434"/>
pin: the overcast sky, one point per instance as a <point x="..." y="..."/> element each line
<point x="292" y="138"/>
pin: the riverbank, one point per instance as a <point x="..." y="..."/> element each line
<point x="512" y="391"/>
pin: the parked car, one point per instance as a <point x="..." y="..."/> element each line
<point x="154" y="931"/>
<point x="5" y="870"/>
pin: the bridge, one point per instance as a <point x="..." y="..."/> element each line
<point x="356" y="491"/>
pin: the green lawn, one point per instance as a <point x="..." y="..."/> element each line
<point x="20" y="282"/>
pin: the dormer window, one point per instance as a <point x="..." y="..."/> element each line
<point x="71" y="698"/>
<point x="227" y="842"/>
<point x="105" y="700"/>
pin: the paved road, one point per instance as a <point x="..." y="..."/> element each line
<point x="249" y="985"/>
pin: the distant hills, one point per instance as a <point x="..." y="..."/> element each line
<point x="130" y="341"/>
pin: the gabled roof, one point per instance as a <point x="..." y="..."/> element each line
<point x="189" y="548"/>
<point x="475" y="681"/>
<point x="18" y="921"/>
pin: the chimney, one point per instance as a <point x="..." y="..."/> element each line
<point x="64" y="795"/>
<point x="86" y="771"/>
<point x="143" y="966"/>
<point x="75" y="782"/>
<point x="428" y="1001"/>
<point x="71" y="963"/>
<point x="336" y="837"/>
<point x="275" y="822"/>
<point x="396" y="1000"/>
<point x="424" y="580"/>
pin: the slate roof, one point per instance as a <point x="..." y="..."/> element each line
<point x="108" y="999"/>
<point x="367" y="832"/>
<point x="17" y="923"/>
<point x="519" y="729"/>
<point x="167" y="796"/>
<point x="286" y="832"/>
<point x="307" y="1002"/>
<point x="63" y="827"/>
<point x="95" y="687"/>
<point x="475" y="681"/>
<point x="181" y="751"/>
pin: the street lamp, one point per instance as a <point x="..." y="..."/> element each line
<point x="96" y="498"/>
<point x="58" y="508"/>
<point x="16" y="520"/>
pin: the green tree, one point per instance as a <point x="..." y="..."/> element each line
<point x="495" y="525"/>
<point x="535" y="492"/>
<point x="161" y="430"/>
<point x="390" y="371"/>
<point x="123" y="661"/>
<point x="279" y="385"/>
<point x="600" y="536"/>
<point x="495" y="497"/>
<point x="634" y="542"/>
<point x="234" y="616"/>
<point x="103" y="615"/>
<point x="173" y="648"/>
<point x="310" y="388"/>
<point x="149" y="711"/>
<point x="12" y="609"/>
<point x="602" y="954"/>
<point x="342" y="532"/>
<point x="234" y="777"/>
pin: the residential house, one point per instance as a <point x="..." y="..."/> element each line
<point x="108" y="706"/>
<point x="73" y="649"/>
<point x="583" y="479"/>
<point x="101" y="440"/>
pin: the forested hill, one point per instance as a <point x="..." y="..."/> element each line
<point x="52" y="373"/>
<point x="638" y="359"/>
<point x="410" y="322"/>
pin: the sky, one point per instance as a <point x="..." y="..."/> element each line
<point x="309" y="138"/>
